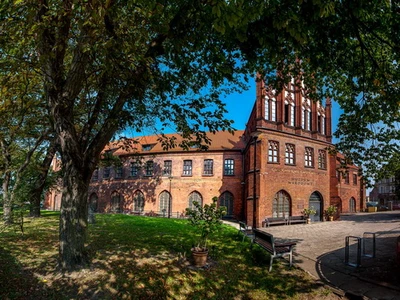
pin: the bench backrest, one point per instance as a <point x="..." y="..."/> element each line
<point x="242" y="225"/>
<point x="266" y="237"/>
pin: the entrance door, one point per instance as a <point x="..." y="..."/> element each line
<point x="315" y="201"/>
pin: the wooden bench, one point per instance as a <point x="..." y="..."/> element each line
<point x="267" y="242"/>
<point x="297" y="220"/>
<point x="274" y="221"/>
<point x="245" y="230"/>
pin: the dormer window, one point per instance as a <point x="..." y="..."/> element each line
<point x="147" y="147"/>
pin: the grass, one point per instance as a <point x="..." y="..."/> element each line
<point x="137" y="257"/>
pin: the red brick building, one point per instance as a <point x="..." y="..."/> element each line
<point x="281" y="159"/>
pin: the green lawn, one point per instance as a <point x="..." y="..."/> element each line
<point x="137" y="257"/>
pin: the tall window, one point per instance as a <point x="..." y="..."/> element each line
<point x="289" y="113"/>
<point x="281" y="205"/>
<point x="115" y="202"/>
<point x="134" y="169"/>
<point x="93" y="202"/>
<point x="187" y="168"/>
<point x="273" y="152"/>
<point x="95" y="175"/>
<point x="226" y="199"/>
<point x="229" y="167"/>
<point x="270" y="109"/>
<point x="290" y="154"/>
<point x="138" y="201"/>
<point x="208" y="167"/>
<point x="167" y="168"/>
<point x="106" y="173"/>
<point x="308" y="120"/>
<point x="352" y="205"/>
<point x="346" y="178"/>
<point x="195" y="196"/>
<point x="355" y="179"/>
<point x="309" y="157"/>
<point x="321" y="123"/>
<point x="149" y="168"/>
<point x="165" y="199"/>
<point x="322" y="159"/>
<point x="119" y="172"/>
<point x="306" y="115"/>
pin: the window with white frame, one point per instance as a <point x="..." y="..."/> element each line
<point x="290" y="154"/>
<point x="229" y="166"/>
<point x="208" y="167"/>
<point x="322" y="159"/>
<point x="309" y="157"/>
<point x="273" y="152"/>
<point x="187" y="168"/>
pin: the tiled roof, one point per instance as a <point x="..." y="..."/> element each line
<point x="221" y="140"/>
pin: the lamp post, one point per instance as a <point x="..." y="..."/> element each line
<point x="170" y="197"/>
<point x="255" y="138"/>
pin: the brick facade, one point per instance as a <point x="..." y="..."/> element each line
<point x="293" y="167"/>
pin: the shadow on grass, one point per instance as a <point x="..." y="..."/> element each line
<point x="19" y="283"/>
<point x="137" y="257"/>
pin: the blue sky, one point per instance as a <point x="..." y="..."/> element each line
<point x="239" y="106"/>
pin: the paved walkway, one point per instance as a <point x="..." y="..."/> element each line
<point x="320" y="250"/>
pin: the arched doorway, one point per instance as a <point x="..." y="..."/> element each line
<point x="316" y="202"/>
<point x="93" y="202"/>
<point x="165" y="204"/>
<point x="281" y="205"/>
<point x="352" y="205"/>
<point x="226" y="199"/>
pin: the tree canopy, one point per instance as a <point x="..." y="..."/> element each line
<point x="104" y="65"/>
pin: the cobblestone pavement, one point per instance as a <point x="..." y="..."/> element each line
<point x="320" y="250"/>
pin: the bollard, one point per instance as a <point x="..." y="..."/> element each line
<point x="347" y="251"/>
<point x="373" y="244"/>
<point x="398" y="250"/>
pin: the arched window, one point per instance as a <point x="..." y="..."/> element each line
<point x="115" y="202"/>
<point x="138" y="201"/>
<point x="352" y="205"/>
<point x="226" y="199"/>
<point x="281" y="205"/>
<point x="195" y="196"/>
<point x="165" y="203"/>
<point x="93" y="202"/>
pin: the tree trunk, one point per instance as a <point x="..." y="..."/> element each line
<point x="7" y="205"/>
<point x="74" y="215"/>
<point x="40" y="182"/>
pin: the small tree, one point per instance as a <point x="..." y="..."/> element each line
<point x="331" y="211"/>
<point x="206" y="219"/>
<point x="307" y="212"/>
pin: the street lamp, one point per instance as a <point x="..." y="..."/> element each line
<point x="255" y="136"/>
<point x="170" y="197"/>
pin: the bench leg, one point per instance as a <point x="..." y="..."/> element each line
<point x="290" y="259"/>
<point x="270" y="263"/>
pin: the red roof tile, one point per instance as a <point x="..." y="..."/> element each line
<point x="221" y="140"/>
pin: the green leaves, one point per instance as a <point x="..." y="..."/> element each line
<point x="206" y="219"/>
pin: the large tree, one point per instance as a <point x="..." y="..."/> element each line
<point x="108" y="64"/>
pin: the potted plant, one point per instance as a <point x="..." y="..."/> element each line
<point x="330" y="212"/>
<point x="206" y="219"/>
<point x="307" y="212"/>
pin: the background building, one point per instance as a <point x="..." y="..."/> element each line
<point x="384" y="194"/>
<point x="283" y="161"/>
